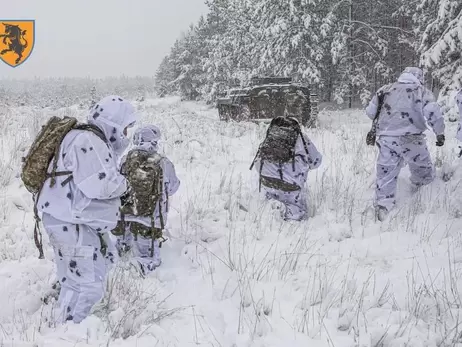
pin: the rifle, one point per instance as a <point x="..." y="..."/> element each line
<point x="372" y="134"/>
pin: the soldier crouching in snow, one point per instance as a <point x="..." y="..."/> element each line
<point x="283" y="161"/>
<point x="152" y="179"/>
<point x="82" y="208"/>
<point x="407" y="107"/>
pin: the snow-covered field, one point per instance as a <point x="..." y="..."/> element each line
<point x="233" y="273"/>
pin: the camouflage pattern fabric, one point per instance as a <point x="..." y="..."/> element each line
<point x="275" y="183"/>
<point x="44" y="148"/>
<point x="144" y="174"/>
<point x="280" y="140"/>
<point x="144" y="231"/>
<point x="119" y="230"/>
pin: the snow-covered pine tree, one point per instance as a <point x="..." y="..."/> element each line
<point x="361" y="34"/>
<point x="231" y="41"/>
<point x="164" y="77"/>
<point x="290" y="44"/>
<point x="441" y="46"/>
<point x="182" y="70"/>
<point x="346" y="48"/>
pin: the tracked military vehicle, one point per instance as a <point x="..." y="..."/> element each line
<point x="267" y="98"/>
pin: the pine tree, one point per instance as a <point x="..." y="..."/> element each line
<point x="346" y="49"/>
<point x="441" y="45"/>
<point x="230" y="36"/>
<point x="290" y="42"/>
<point x="164" y="76"/>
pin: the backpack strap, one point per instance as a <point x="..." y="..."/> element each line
<point x="37" y="233"/>
<point x="94" y="129"/>
<point x="259" y="148"/>
<point x="304" y="143"/>
<point x="161" y="188"/>
<point x="254" y="159"/>
<point x="54" y="173"/>
<point x="281" y="174"/>
<point x="122" y="222"/>
<point x="259" y="175"/>
<point x="166" y="197"/>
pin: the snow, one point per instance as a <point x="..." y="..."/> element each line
<point x="233" y="273"/>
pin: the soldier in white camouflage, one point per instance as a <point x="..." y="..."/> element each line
<point x="152" y="179"/>
<point x="81" y="209"/>
<point x="408" y="107"/>
<point x="283" y="162"/>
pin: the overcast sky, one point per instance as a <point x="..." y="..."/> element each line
<point x="99" y="37"/>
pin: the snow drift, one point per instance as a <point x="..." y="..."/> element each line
<point x="233" y="273"/>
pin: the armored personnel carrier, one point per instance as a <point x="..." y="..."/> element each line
<point x="269" y="97"/>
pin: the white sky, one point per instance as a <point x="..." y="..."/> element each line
<point x="99" y="38"/>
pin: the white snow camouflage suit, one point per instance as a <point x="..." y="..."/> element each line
<point x="408" y="107"/>
<point x="295" y="203"/>
<point x="78" y="215"/>
<point x="459" y="105"/>
<point x="147" y="138"/>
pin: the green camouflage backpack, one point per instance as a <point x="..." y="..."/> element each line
<point x="44" y="148"/>
<point x="278" y="148"/>
<point x="144" y="174"/>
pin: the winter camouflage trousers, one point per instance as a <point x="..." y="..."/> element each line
<point x="294" y="203"/>
<point x="394" y="152"/>
<point x="145" y="250"/>
<point x="81" y="267"/>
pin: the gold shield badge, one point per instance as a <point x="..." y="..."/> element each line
<point x="17" y="38"/>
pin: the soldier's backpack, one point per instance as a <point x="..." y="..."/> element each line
<point x="144" y="173"/>
<point x="278" y="147"/>
<point x="45" y="147"/>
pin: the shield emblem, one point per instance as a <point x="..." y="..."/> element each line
<point x="17" y="38"/>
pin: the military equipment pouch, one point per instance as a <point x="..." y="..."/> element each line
<point x="146" y="232"/>
<point x="119" y="230"/>
<point x="276" y="183"/>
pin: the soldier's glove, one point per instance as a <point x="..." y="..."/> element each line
<point x="440" y="140"/>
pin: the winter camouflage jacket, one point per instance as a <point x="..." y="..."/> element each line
<point x="92" y="197"/>
<point x="408" y="107"/>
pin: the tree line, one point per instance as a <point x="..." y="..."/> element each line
<point x="343" y="49"/>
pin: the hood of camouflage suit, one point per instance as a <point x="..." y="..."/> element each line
<point x="112" y="115"/>
<point x="147" y="138"/>
<point x="412" y="75"/>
